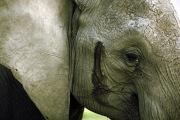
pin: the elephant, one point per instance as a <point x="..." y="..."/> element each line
<point x="118" y="58"/>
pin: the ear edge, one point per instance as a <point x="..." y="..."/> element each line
<point x="86" y="4"/>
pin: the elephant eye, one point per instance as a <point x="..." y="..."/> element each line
<point x="132" y="58"/>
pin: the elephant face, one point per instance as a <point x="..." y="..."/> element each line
<point x="127" y="59"/>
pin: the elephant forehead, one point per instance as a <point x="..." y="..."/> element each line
<point x="155" y="20"/>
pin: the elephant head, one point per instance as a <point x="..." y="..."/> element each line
<point x="126" y="59"/>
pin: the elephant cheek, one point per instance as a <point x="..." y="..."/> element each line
<point x="149" y="109"/>
<point x="152" y="106"/>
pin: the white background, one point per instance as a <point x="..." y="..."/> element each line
<point x="176" y="4"/>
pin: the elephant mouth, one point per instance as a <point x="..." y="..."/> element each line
<point x="101" y="91"/>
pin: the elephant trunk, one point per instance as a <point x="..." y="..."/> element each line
<point x="159" y="97"/>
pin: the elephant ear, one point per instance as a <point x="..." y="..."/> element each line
<point x="34" y="45"/>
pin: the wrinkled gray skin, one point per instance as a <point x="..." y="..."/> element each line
<point x="134" y="71"/>
<point x="121" y="56"/>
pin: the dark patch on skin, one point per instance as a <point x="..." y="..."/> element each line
<point x="97" y="77"/>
